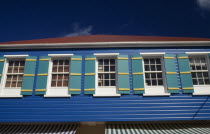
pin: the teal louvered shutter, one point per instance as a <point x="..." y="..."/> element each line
<point x="137" y="74"/>
<point x="89" y="85"/>
<point x="41" y="83"/>
<point x="171" y="74"/>
<point x="185" y="74"/>
<point x="2" y="59"/>
<point x="123" y="74"/>
<point x="75" y="75"/>
<point x="28" y="76"/>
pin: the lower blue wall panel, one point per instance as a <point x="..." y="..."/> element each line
<point x="87" y="108"/>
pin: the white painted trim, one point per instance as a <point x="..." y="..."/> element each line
<point x="52" y="96"/>
<point x="152" y="54"/>
<point x="15" y="56"/>
<point x="197" y="53"/>
<point x="163" y="94"/>
<point x="106" y="44"/>
<point x="105" y="54"/>
<point x="200" y="94"/>
<point x="106" y="95"/>
<point x="11" y="96"/>
<point x="60" y="55"/>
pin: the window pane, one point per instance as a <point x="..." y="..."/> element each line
<point x="14" y="77"/>
<point x="112" y="68"/>
<point x="100" y="76"/>
<point x="19" y="84"/>
<point x="147" y="68"/>
<point x="112" y="82"/>
<point x="106" y="68"/>
<point x="21" y="69"/>
<point x="9" y="77"/>
<point x="66" y="62"/>
<point x="205" y="74"/>
<point x="100" y="83"/>
<point x="55" y="62"/>
<point x="152" y="61"/>
<point x="54" y="77"/>
<point x="106" y="61"/>
<point x="112" y="61"/>
<point x="60" y="69"/>
<point x="65" y="83"/>
<point x="13" y="84"/>
<point x="154" y="82"/>
<point x="100" y="62"/>
<point x="60" y="76"/>
<point x="9" y="69"/>
<point x="153" y="75"/>
<point x="106" y="76"/>
<point x="206" y="81"/>
<point x="100" y="68"/>
<point x="153" y="68"/>
<point x="158" y="61"/>
<point x="198" y="67"/>
<point x="159" y="68"/>
<point x="61" y="62"/>
<point x="66" y="76"/>
<point x="159" y="75"/>
<point x="147" y="75"/>
<point x="7" y="84"/>
<point x="22" y="63"/>
<point x="15" y="70"/>
<point x="148" y="82"/>
<point x="201" y="82"/>
<point x="106" y="82"/>
<point x="160" y="82"/>
<point x="112" y="76"/>
<point x="11" y="63"/>
<point x="16" y="63"/>
<point x="53" y="84"/>
<point x="54" y="69"/>
<point x="146" y="61"/>
<point x="59" y="84"/>
<point x="193" y="75"/>
<point x="66" y="68"/>
<point x="195" y="82"/>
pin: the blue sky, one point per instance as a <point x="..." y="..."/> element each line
<point x="37" y="19"/>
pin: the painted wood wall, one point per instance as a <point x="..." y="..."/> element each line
<point x="87" y="108"/>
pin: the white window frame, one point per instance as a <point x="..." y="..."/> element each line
<point x="155" y="90"/>
<point x="56" y="91"/>
<point x="13" y="92"/>
<point x="201" y="89"/>
<point x="105" y="91"/>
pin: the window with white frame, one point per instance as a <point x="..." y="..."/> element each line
<point x="106" y="72"/>
<point x="153" y="71"/>
<point x="14" y="74"/>
<point x="154" y="74"/>
<point x="106" y="78"/>
<point x="58" y="75"/>
<point x="199" y="70"/>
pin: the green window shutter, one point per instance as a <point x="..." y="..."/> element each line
<point x="28" y="76"/>
<point x="185" y="74"/>
<point x="89" y="85"/>
<point x="123" y="74"/>
<point x="75" y="75"/>
<point x="137" y="74"/>
<point x="41" y="83"/>
<point x="171" y="74"/>
<point x="2" y="59"/>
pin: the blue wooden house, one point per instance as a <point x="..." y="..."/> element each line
<point x="103" y="79"/>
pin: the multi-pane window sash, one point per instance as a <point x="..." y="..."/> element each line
<point x="153" y="71"/>
<point x="15" y="73"/>
<point x="199" y="70"/>
<point x="106" y="72"/>
<point x="60" y="73"/>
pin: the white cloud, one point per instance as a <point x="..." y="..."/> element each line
<point x="204" y="4"/>
<point x="78" y="31"/>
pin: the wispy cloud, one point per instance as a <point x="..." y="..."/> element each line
<point x="80" y="31"/>
<point x="204" y="4"/>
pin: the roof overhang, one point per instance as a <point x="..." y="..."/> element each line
<point x="140" y="44"/>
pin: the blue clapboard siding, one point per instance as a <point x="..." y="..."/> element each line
<point x="87" y="108"/>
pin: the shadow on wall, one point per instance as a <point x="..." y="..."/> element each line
<point x="91" y="129"/>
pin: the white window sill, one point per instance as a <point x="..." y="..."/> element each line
<point x="162" y="94"/>
<point x="106" y="95"/>
<point x="11" y="96"/>
<point x="54" y="96"/>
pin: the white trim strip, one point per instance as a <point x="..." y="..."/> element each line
<point x="60" y="55"/>
<point x="194" y="53"/>
<point x="16" y="56"/>
<point x="107" y="44"/>
<point x="151" y="54"/>
<point x="105" y="54"/>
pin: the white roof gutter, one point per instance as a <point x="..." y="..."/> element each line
<point x="107" y="44"/>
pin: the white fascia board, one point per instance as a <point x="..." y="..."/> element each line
<point x="151" y="54"/>
<point x="107" y="44"/>
<point x="15" y="56"/>
<point x="196" y="53"/>
<point x="105" y="54"/>
<point x="60" y="55"/>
